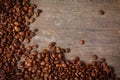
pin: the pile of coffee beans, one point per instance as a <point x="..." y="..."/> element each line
<point x="51" y="64"/>
<point x="20" y="62"/>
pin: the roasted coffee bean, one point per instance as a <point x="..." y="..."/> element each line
<point x="52" y="44"/>
<point x="26" y="40"/>
<point x="58" y="49"/>
<point x="82" y="42"/>
<point x="94" y="57"/>
<point x="35" y="30"/>
<point x="34" y="52"/>
<point x="36" y="14"/>
<point x="31" y="20"/>
<point x="16" y="28"/>
<point x="29" y="48"/>
<point x="102" y="59"/>
<point x="101" y="12"/>
<point x="35" y="46"/>
<point x="67" y="50"/>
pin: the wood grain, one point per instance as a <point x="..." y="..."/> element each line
<point x="68" y="21"/>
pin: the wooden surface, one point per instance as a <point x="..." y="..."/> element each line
<point x="68" y="21"/>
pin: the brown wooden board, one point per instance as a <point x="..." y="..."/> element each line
<point x="68" y="21"/>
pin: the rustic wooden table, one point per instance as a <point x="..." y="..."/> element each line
<point x="68" y="21"/>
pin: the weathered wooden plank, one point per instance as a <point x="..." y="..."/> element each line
<point x="68" y="21"/>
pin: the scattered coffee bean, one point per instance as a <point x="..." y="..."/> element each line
<point x="29" y="48"/>
<point x="26" y="40"/>
<point x="31" y="20"/>
<point x="35" y="30"/>
<point x="102" y="59"/>
<point x="67" y="50"/>
<point x="94" y="57"/>
<point x="101" y="12"/>
<point x="52" y="44"/>
<point x="82" y="42"/>
<point x="35" y="46"/>
<point x="58" y="49"/>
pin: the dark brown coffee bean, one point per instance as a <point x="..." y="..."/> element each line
<point x="26" y="40"/>
<point x="101" y="12"/>
<point x="29" y="48"/>
<point x="102" y="59"/>
<point x="94" y="57"/>
<point x="34" y="52"/>
<point x="35" y="46"/>
<point x="42" y="63"/>
<point x="67" y="50"/>
<point x="31" y="20"/>
<point x="82" y="42"/>
<point x="58" y="49"/>
<point x="36" y="14"/>
<point x="35" y="30"/>
<point x="52" y="44"/>
<point x="17" y="29"/>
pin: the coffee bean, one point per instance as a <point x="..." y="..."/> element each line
<point x="67" y="50"/>
<point x="94" y="57"/>
<point x="16" y="28"/>
<point x="101" y="12"/>
<point x="82" y="42"/>
<point x="35" y="46"/>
